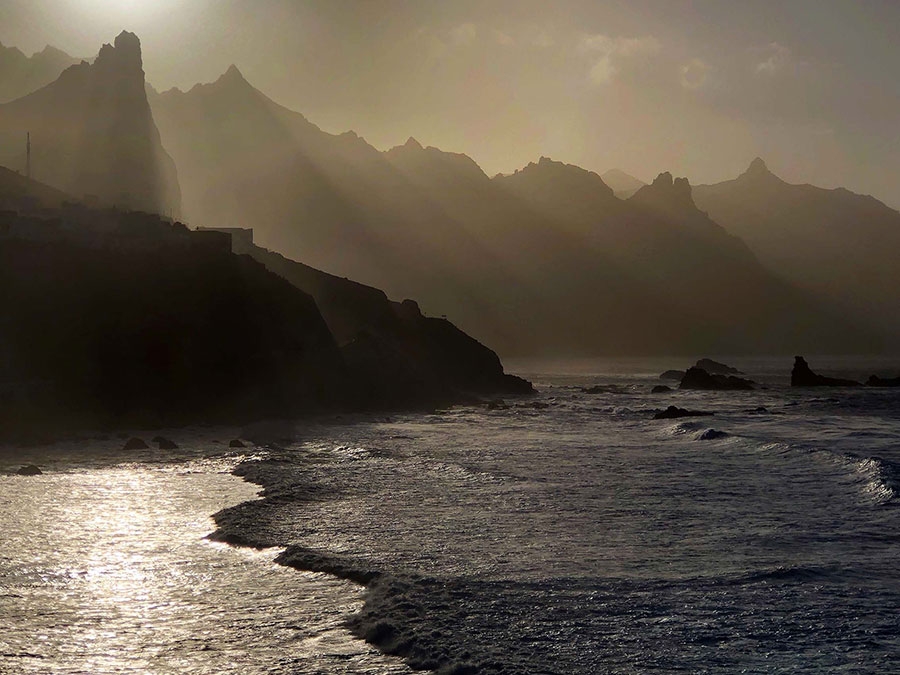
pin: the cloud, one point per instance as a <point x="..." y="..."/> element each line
<point x="620" y="46"/>
<point x="694" y="74"/>
<point x="603" y="71"/>
<point x="503" y="39"/>
<point x="543" y="40"/>
<point x="608" y="53"/>
<point x="464" y="34"/>
<point x="774" y="57"/>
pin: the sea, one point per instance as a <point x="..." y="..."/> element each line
<point x="565" y="533"/>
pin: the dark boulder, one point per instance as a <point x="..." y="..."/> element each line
<point x="29" y="470"/>
<point x="673" y="412"/>
<point x="660" y="389"/>
<point x="135" y="444"/>
<point x="803" y="376"/>
<point x="165" y="443"/>
<point x="672" y="375"/>
<point x="697" y="378"/>
<point x="876" y="381"/>
<point x="236" y="444"/>
<point x="717" y="368"/>
<point x="711" y="435"/>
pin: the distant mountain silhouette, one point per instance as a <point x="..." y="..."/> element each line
<point x="21" y="75"/>
<point x="840" y="245"/>
<point x="623" y="184"/>
<point x="546" y="260"/>
<point x="93" y="133"/>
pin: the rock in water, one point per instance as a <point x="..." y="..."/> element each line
<point x="236" y="444"/>
<point x="876" y="381"/>
<point x="165" y="443"/>
<point x="660" y="389"/>
<point x="697" y="378"/>
<point x="674" y="412"/>
<point x="717" y="368"/>
<point x="672" y="375"/>
<point x="135" y="444"/>
<point x="803" y="376"/>
<point x="29" y="470"/>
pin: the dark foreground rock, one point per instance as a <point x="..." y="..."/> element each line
<point x="672" y="375"/>
<point x="876" y="381"/>
<point x="697" y="378"/>
<point x="29" y="470"/>
<point x="803" y="376"/>
<point x="674" y="412"/>
<point x="717" y="368"/>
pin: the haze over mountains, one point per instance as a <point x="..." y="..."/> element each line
<point x="548" y="260"/>
<point x="840" y="245"/>
<point x="92" y="133"/>
<point x="21" y="75"/>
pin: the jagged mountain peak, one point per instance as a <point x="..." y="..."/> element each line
<point x="232" y="75"/>
<point x="125" y="52"/>
<point x="413" y="144"/>
<point x="758" y="171"/>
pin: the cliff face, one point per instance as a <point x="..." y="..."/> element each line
<point x="92" y="133"/>
<point x="396" y="355"/>
<point x="164" y="329"/>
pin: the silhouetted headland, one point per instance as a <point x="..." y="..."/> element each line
<point x="803" y="376"/>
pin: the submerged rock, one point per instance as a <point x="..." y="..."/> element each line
<point x="697" y="378"/>
<point x="165" y="443"/>
<point x="674" y="412"/>
<point x="876" y="381"/>
<point x="672" y="375"/>
<point x="29" y="470"/>
<point x="803" y="376"/>
<point x="136" y="444"/>
<point x="236" y="444"/>
<point x="660" y="389"/>
<point x="717" y="368"/>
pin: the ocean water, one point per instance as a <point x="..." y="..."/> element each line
<point x="567" y="533"/>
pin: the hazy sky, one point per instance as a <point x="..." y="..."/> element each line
<point x="697" y="87"/>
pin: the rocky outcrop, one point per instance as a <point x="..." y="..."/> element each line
<point x="697" y="378"/>
<point x="672" y="375"/>
<point x="29" y="470"/>
<point x="875" y="381"/>
<point x="803" y="376"/>
<point x="674" y="412"/>
<point x="717" y="368"/>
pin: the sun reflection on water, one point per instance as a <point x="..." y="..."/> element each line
<point x="107" y="570"/>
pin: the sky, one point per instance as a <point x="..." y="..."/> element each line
<point x="695" y="87"/>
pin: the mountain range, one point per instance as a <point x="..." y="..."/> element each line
<point x="547" y="260"/>
<point x="20" y="75"/>
<point x="92" y="133"/>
